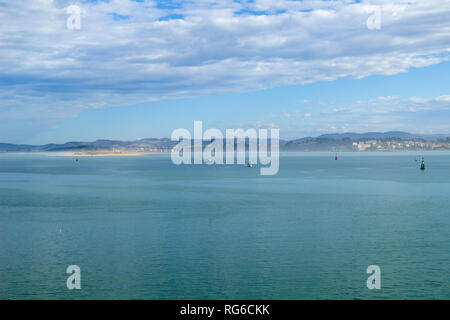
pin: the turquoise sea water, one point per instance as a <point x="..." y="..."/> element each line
<point x="143" y="228"/>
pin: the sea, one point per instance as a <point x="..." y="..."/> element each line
<point x="140" y="227"/>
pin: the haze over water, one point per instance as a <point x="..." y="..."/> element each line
<point x="143" y="228"/>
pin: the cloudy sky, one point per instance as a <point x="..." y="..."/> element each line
<point x="133" y="69"/>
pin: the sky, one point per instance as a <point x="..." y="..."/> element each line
<point x="138" y="69"/>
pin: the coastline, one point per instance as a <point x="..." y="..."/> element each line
<point x="126" y="154"/>
<point x="111" y="154"/>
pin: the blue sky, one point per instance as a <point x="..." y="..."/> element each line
<point x="139" y="69"/>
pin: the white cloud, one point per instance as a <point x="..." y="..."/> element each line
<point x="49" y="73"/>
<point x="416" y="115"/>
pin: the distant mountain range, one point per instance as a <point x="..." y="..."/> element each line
<point x="326" y="142"/>
<point x="89" y="146"/>
<point x="385" y="135"/>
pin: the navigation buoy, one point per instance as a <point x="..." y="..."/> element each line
<point x="422" y="164"/>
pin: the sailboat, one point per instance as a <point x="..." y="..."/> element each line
<point x="335" y="157"/>
<point x="422" y="164"/>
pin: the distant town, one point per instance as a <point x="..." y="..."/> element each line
<point x="367" y="145"/>
<point x="346" y="142"/>
<point x="401" y="145"/>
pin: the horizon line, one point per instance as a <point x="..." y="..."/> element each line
<point x="289" y="139"/>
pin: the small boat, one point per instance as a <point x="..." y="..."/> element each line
<point x="249" y="164"/>
<point x="422" y="164"/>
